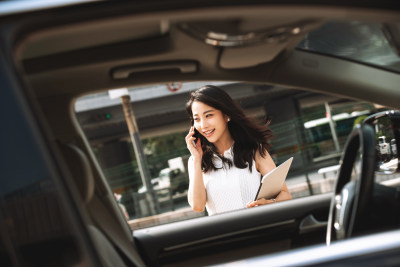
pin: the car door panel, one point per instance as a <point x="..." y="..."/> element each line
<point x="236" y="235"/>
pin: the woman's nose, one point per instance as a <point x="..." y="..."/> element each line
<point x="203" y="124"/>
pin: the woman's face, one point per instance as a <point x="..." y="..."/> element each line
<point x="210" y="122"/>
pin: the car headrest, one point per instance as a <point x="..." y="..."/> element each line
<point x="80" y="169"/>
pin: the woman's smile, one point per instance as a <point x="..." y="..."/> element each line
<point x="208" y="133"/>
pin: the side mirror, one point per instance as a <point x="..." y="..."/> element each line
<point x="386" y="125"/>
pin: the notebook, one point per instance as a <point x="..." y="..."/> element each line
<point x="272" y="182"/>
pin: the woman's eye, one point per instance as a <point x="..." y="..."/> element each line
<point x="209" y="115"/>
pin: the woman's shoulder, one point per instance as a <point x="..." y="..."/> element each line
<point x="264" y="163"/>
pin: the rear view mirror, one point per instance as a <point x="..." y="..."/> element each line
<point x="386" y="125"/>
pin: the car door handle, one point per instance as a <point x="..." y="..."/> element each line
<point x="309" y="224"/>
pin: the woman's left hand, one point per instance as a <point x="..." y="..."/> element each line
<point x="258" y="202"/>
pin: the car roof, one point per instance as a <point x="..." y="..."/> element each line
<point x="90" y="48"/>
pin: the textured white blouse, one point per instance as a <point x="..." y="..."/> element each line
<point x="227" y="188"/>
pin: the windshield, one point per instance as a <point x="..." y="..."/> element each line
<point x="367" y="43"/>
<point x="312" y="128"/>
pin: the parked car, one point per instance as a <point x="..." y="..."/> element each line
<point x="384" y="149"/>
<point x="58" y="208"/>
<point x="158" y="183"/>
<point x="393" y="147"/>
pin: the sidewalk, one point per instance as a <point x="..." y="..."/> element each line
<point x="168" y="217"/>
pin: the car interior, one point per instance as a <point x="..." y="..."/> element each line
<point x="67" y="52"/>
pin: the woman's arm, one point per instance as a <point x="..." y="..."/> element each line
<point x="197" y="196"/>
<point x="284" y="194"/>
<point x="264" y="165"/>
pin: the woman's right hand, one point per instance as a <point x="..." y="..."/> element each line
<point x="196" y="151"/>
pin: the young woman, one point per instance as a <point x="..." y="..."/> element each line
<point x="229" y="157"/>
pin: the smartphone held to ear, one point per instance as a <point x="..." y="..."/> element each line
<point x="195" y="135"/>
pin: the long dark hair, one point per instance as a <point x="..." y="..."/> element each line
<point x="248" y="134"/>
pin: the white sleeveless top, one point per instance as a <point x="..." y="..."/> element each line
<point x="227" y="188"/>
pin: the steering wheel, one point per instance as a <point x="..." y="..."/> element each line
<point x="351" y="196"/>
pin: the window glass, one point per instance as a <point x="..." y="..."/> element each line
<point x="310" y="127"/>
<point x="368" y="43"/>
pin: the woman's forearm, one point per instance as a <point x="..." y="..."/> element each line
<point x="284" y="194"/>
<point x="197" y="193"/>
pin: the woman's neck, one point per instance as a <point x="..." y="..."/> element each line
<point x="224" y="144"/>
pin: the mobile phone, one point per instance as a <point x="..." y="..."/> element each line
<point x="195" y="135"/>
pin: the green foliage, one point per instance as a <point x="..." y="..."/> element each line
<point x="164" y="144"/>
<point x="162" y="148"/>
<point x="359" y="120"/>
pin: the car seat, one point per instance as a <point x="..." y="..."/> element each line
<point x="112" y="248"/>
